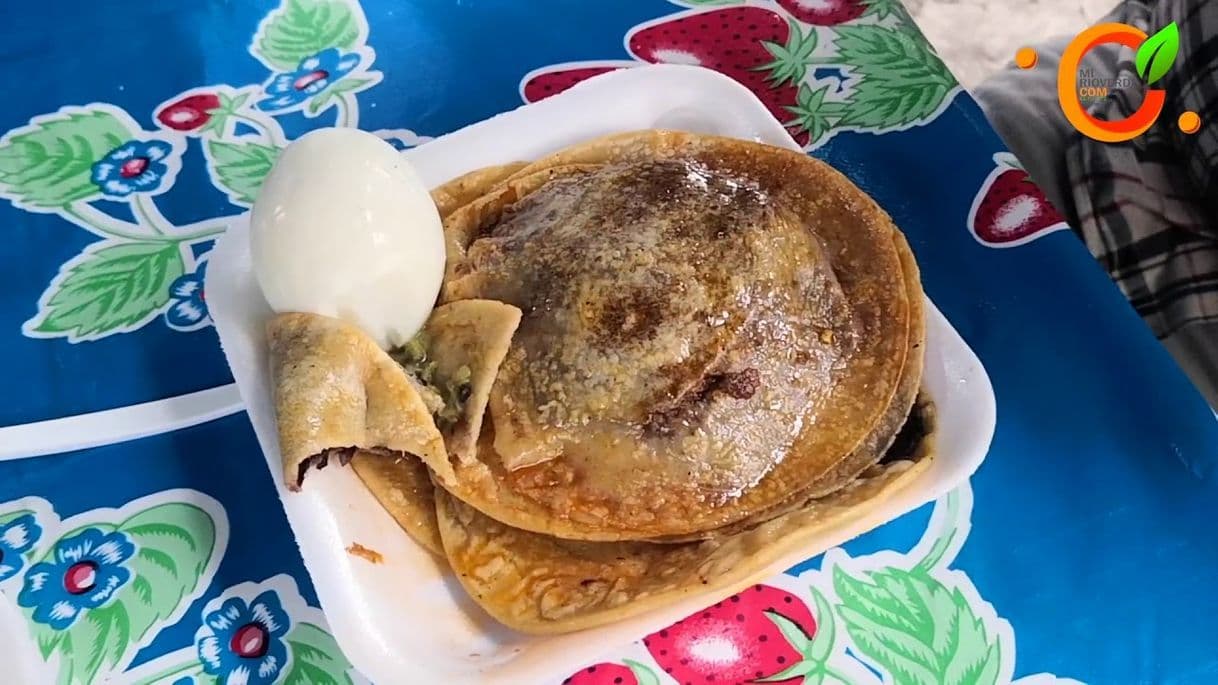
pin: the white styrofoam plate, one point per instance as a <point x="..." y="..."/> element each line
<point x="407" y="619"/>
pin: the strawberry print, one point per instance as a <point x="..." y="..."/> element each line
<point x="189" y="113"/>
<point x="630" y="673"/>
<point x="755" y="46"/>
<point x="760" y="634"/>
<point x="874" y="76"/>
<point x="1010" y="209"/>
<point x="553" y="80"/>
<point x="824" y="12"/>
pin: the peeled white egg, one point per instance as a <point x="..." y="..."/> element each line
<point x="344" y="227"/>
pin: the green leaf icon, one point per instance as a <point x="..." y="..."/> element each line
<point x="1158" y="53"/>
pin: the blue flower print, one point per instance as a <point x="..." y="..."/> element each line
<point x="242" y="644"/>
<point x="187" y="306"/>
<point x="136" y="166"/>
<point x="16" y="538"/>
<point x="84" y="573"/>
<point x="313" y="75"/>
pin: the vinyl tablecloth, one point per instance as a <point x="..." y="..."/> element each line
<point x="145" y="542"/>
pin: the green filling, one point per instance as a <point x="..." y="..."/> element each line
<point x="452" y="390"/>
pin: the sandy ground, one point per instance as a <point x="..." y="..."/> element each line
<point x="977" y="37"/>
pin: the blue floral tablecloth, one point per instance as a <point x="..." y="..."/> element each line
<point x="1082" y="550"/>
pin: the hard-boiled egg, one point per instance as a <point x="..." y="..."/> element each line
<point x="344" y="227"/>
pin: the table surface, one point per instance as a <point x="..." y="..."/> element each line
<point x="136" y="546"/>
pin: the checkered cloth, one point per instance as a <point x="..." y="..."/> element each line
<point x="1145" y="208"/>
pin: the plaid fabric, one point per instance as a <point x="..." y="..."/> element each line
<point x="1146" y="208"/>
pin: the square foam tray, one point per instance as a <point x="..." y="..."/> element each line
<point x="407" y="619"/>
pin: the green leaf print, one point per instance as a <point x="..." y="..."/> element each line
<point x="812" y="113"/>
<point x="901" y="81"/>
<point x="302" y="28"/>
<point x="978" y="657"/>
<point x="174" y="543"/>
<point x="644" y="675"/>
<point x="10" y="515"/>
<point x="239" y="168"/>
<point x="882" y="9"/>
<point x="826" y="631"/>
<point x="315" y="658"/>
<point x="794" y="635"/>
<point x="317" y="104"/>
<point x="115" y="288"/>
<point x="48" y="163"/>
<point x="802" y="669"/>
<point x="331" y="94"/>
<point x="916" y="629"/>
<point x="46" y="638"/>
<point x="98" y="639"/>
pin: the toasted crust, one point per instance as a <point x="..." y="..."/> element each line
<point x="336" y="391"/>
<point x="543" y="585"/>
<point x="862" y="241"/>
<point x="559" y="546"/>
<point x="403" y="487"/>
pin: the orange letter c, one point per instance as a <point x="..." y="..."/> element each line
<point x="1067" y="87"/>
